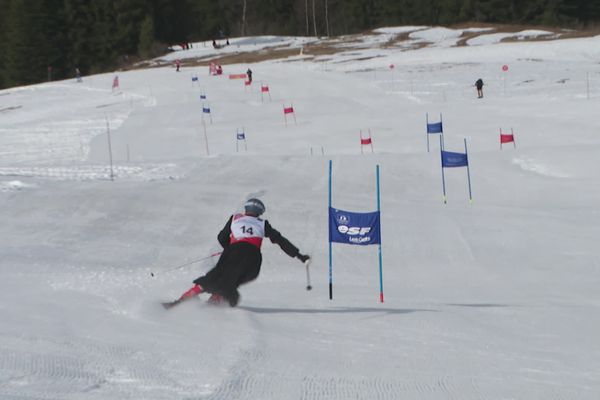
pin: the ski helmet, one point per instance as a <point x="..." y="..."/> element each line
<point x="254" y="206"/>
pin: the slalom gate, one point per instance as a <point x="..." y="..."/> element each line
<point x="354" y="228"/>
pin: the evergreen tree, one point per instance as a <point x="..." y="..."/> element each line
<point x="101" y="40"/>
<point x="21" y="59"/>
<point x="4" y="5"/>
<point x="146" y="41"/>
<point x="80" y="21"/>
<point x="129" y="15"/>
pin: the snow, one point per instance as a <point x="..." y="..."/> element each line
<point x="440" y="36"/>
<point x="497" y="37"/>
<point x="236" y="45"/>
<point x="497" y="299"/>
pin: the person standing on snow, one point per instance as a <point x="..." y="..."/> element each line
<point x="241" y="258"/>
<point x="479" y="86"/>
<point x="249" y="74"/>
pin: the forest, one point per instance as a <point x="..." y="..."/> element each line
<point x="48" y="39"/>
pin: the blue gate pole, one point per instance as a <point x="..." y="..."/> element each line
<point x="427" y="130"/>
<point x="468" y="173"/>
<point x="330" y="253"/>
<point x="380" y="258"/>
<point x="443" y="179"/>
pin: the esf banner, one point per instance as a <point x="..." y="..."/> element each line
<point x="451" y="159"/>
<point x="354" y="228"/>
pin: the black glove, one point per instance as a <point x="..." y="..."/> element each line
<point x="303" y="257"/>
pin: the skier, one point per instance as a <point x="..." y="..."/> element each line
<point x="249" y="74"/>
<point x="241" y="258"/>
<point x="177" y="65"/>
<point x="479" y="86"/>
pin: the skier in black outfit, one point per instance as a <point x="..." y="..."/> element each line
<point x="479" y="86"/>
<point x="241" y="258"/>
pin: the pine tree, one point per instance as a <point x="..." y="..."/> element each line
<point x="20" y="51"/>
<point x="80" y="21"/>
<point x="129" y="15"/>
<point x="102" y="50"/>
<point x="146" y="41"/>
<point x="4" y="5"/>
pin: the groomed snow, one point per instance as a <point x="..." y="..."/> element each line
<point x="494" y="299"/>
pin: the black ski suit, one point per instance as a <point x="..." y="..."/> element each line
<point x="239" y="263"/>
<point x="479" y="86"/>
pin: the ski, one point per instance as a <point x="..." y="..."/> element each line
<point x="170" y="304"/>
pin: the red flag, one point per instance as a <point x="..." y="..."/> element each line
<point x="238" y="76"/>
<point x="365" y="141"/>
<point x="288" y="110"/>
<point x="264" y="89"/>
<point x="507" y="138"/>
<point x="115" y="82"/>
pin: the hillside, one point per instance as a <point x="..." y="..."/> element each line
<point x="491" y="299"/>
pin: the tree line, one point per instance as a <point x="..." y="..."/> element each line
<point x="47" y="39"/>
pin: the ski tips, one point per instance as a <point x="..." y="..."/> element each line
<point x="170" y="304"/>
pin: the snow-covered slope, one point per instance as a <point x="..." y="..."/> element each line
<point x="497" y="299"/>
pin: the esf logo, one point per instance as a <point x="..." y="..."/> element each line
<point x="342" y="219"/>
<point x="353" y="230"/>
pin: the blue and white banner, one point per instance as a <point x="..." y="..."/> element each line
<point x="451" y="159"/>
<point x="354" y="228"/>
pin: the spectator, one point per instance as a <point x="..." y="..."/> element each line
<point x="479" y="86"/>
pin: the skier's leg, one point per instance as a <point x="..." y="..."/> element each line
<point x="192" y="292"/>
<point x="247" y="270"/>
<point x="189" y="294"/>
<point x="210" y="281"/>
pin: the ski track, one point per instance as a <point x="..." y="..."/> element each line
<point x="143" y="172"/>
<point x="56" y="142"/>
<point x="289" y="383"/>
<point x="90" y="368"/>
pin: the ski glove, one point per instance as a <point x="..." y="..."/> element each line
<point x="303" y="257"/>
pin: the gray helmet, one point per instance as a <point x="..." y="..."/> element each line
<point x="254" y="206"/>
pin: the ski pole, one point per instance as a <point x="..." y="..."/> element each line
<point x="188" y="263"/>
<point x="308" y="285"/>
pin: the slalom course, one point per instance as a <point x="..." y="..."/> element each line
<point x="113" y="199"/>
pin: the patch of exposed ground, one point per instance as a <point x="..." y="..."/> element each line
<point x="401" y="41"/>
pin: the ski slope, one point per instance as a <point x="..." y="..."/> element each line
<point x="497" y="299"/>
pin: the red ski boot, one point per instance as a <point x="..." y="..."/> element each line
<point x="191" y="293"/>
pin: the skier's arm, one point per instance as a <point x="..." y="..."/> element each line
<point x="223" y="236"/>
<point x="282" y="242"/>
